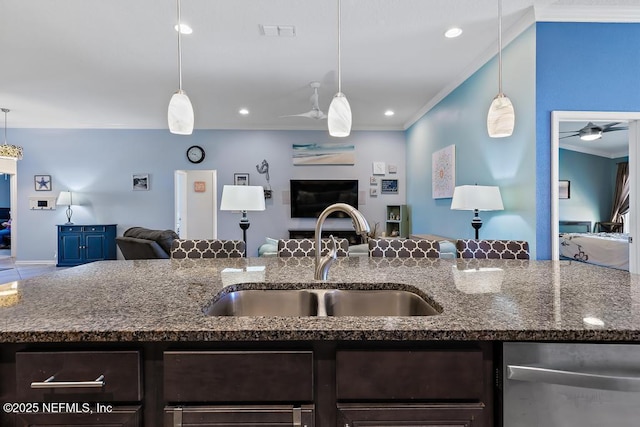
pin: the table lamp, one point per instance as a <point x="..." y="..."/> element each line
<point x="476" y="198"/>
<point x="65" y="199"/>
<point x="242" y="198"/>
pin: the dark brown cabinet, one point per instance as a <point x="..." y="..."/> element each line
<point x="239" y="388"/>
<point x="78" y="388"/>
<point x="411" y="415"/>
<point x="257" y="384"/>
<point x="239" y="416"/>
<point x="418" y="387"/>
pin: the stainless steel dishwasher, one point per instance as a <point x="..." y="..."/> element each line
<point x="566" y="385"/>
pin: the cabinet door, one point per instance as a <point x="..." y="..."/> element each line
<point x="119" y="416"/>
<point x="239" y="416"/>
<point x="414" y="415"/>
<point x="95" y="245"/>
<point x="70" y="248"/>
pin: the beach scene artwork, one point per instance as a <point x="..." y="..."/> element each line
<point x="323" y="154"/>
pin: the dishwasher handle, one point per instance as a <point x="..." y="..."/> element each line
<point x="573" y="379"/>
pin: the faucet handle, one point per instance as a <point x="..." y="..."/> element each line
<point x="333" y="251"/>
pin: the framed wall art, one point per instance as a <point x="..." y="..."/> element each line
<point x="389" y="186"/>
<point x="443" y="167"/>
<point x="240" y="179"/>
<point x="42" y="182"/>
<point x="564" y="189"/>
<point x="140" y="181"/>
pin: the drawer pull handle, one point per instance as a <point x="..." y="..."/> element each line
<point x="50" y="383"/>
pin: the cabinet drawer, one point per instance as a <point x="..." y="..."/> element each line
<point x="116" y="416"/>
<point x="71" y="228"/>
<point x="120" y="370"/>
<point x="408" y="375"/>
<point x="99" y="228"/>
<point x="239" y="416"/>
<point x="228" y="376"/>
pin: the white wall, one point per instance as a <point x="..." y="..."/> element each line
<point x="98" y="164"/>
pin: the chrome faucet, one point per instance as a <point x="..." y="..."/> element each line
<point x="323" y="263"/>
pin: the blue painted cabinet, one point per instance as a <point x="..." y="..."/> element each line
<point x="80" y="244"/>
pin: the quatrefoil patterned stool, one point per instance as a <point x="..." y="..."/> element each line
<point x="493" y="249"/>
<point x="404" y="248"/>
<point x="186" y="248"/>
<point x="307" y="247"/>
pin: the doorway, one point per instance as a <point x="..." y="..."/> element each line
<point x="196" y="204"/>
<point x="630" y="118"/>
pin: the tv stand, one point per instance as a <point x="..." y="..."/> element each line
<point x="306" y="233"/>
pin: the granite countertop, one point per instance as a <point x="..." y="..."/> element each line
<point x="163" y="300"/>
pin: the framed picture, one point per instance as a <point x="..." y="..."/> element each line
<point x="373" y="180"/>
<point x="140" y="181"/>
<point x="373" y="192"/>
<point x="564" y="189"/>
<point x="42" y="182"/>
<point x="240" y="179"/>
<point x="443" y="169"/>
<point x="389" y="186"/>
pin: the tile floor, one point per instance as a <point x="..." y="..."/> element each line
<point x="10" y="272"/>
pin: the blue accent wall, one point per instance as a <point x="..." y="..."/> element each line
<point x="579" y="67"/>
<point x="509" y="163"/>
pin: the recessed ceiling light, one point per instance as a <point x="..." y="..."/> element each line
<point x="389" y="113"/>
<point x="184" y="29"/>
<point x="452" y="33"/>
<point x="243" y="111"/>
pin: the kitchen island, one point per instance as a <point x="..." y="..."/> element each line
<point x="154" y="309"/>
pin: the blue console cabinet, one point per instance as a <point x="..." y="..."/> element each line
<point x="80" y="244"/>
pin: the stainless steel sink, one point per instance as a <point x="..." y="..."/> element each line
<point x="376" y="303"/>
<point x="269" y="302"/>
<point x="320" y="302"/>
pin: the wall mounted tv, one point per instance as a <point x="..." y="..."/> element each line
<point x="309" y="197"/>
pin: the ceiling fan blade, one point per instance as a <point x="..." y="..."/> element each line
<point x="569" y="136"/>
<point x="313" y="114"/>
<point x="613" y="129"/>
<point x="609" y="125"/>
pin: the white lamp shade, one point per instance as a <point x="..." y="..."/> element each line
<point x="501" y="118"/>
<point x="180" y="114"/>
<point x="339" y="116"/>
<point x="480" y="197"/>
<point x="242" y="198"/>
<point x="64" y="198"/>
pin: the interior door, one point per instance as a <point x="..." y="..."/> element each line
<point x="196" y="213"/>
<point x="634" y="144"/>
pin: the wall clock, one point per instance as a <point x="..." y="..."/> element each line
<point x="195" y="154"/>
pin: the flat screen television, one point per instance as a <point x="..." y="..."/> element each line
<point x="309" y="197"/>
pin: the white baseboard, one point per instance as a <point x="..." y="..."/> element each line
<point x="36" y="262"/>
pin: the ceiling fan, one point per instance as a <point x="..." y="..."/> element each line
<point x="315" y="112"/>
<point x="591" y="131"/>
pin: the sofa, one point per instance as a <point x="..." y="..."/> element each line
<point x="143" y="243"/>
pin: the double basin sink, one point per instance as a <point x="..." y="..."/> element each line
<point x="321" y="302"/>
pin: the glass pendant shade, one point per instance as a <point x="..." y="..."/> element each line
<point x="180" y="114"/>
<point x="501" y="118"/>
<point x="339" y="116"/>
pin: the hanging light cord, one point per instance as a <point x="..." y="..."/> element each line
<point x="339" y="49"/>
<point x="500" y="47"/>
<point x="179" y="47"/>
<point x="5" y="111"/>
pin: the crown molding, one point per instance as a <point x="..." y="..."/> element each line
<point x="619" y="14"/>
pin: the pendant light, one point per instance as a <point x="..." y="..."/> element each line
<point x="180" y="114"/>
<point x="501" y="118"/>
<point x="339" y="114"/>
<point x="8" y="150"/>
